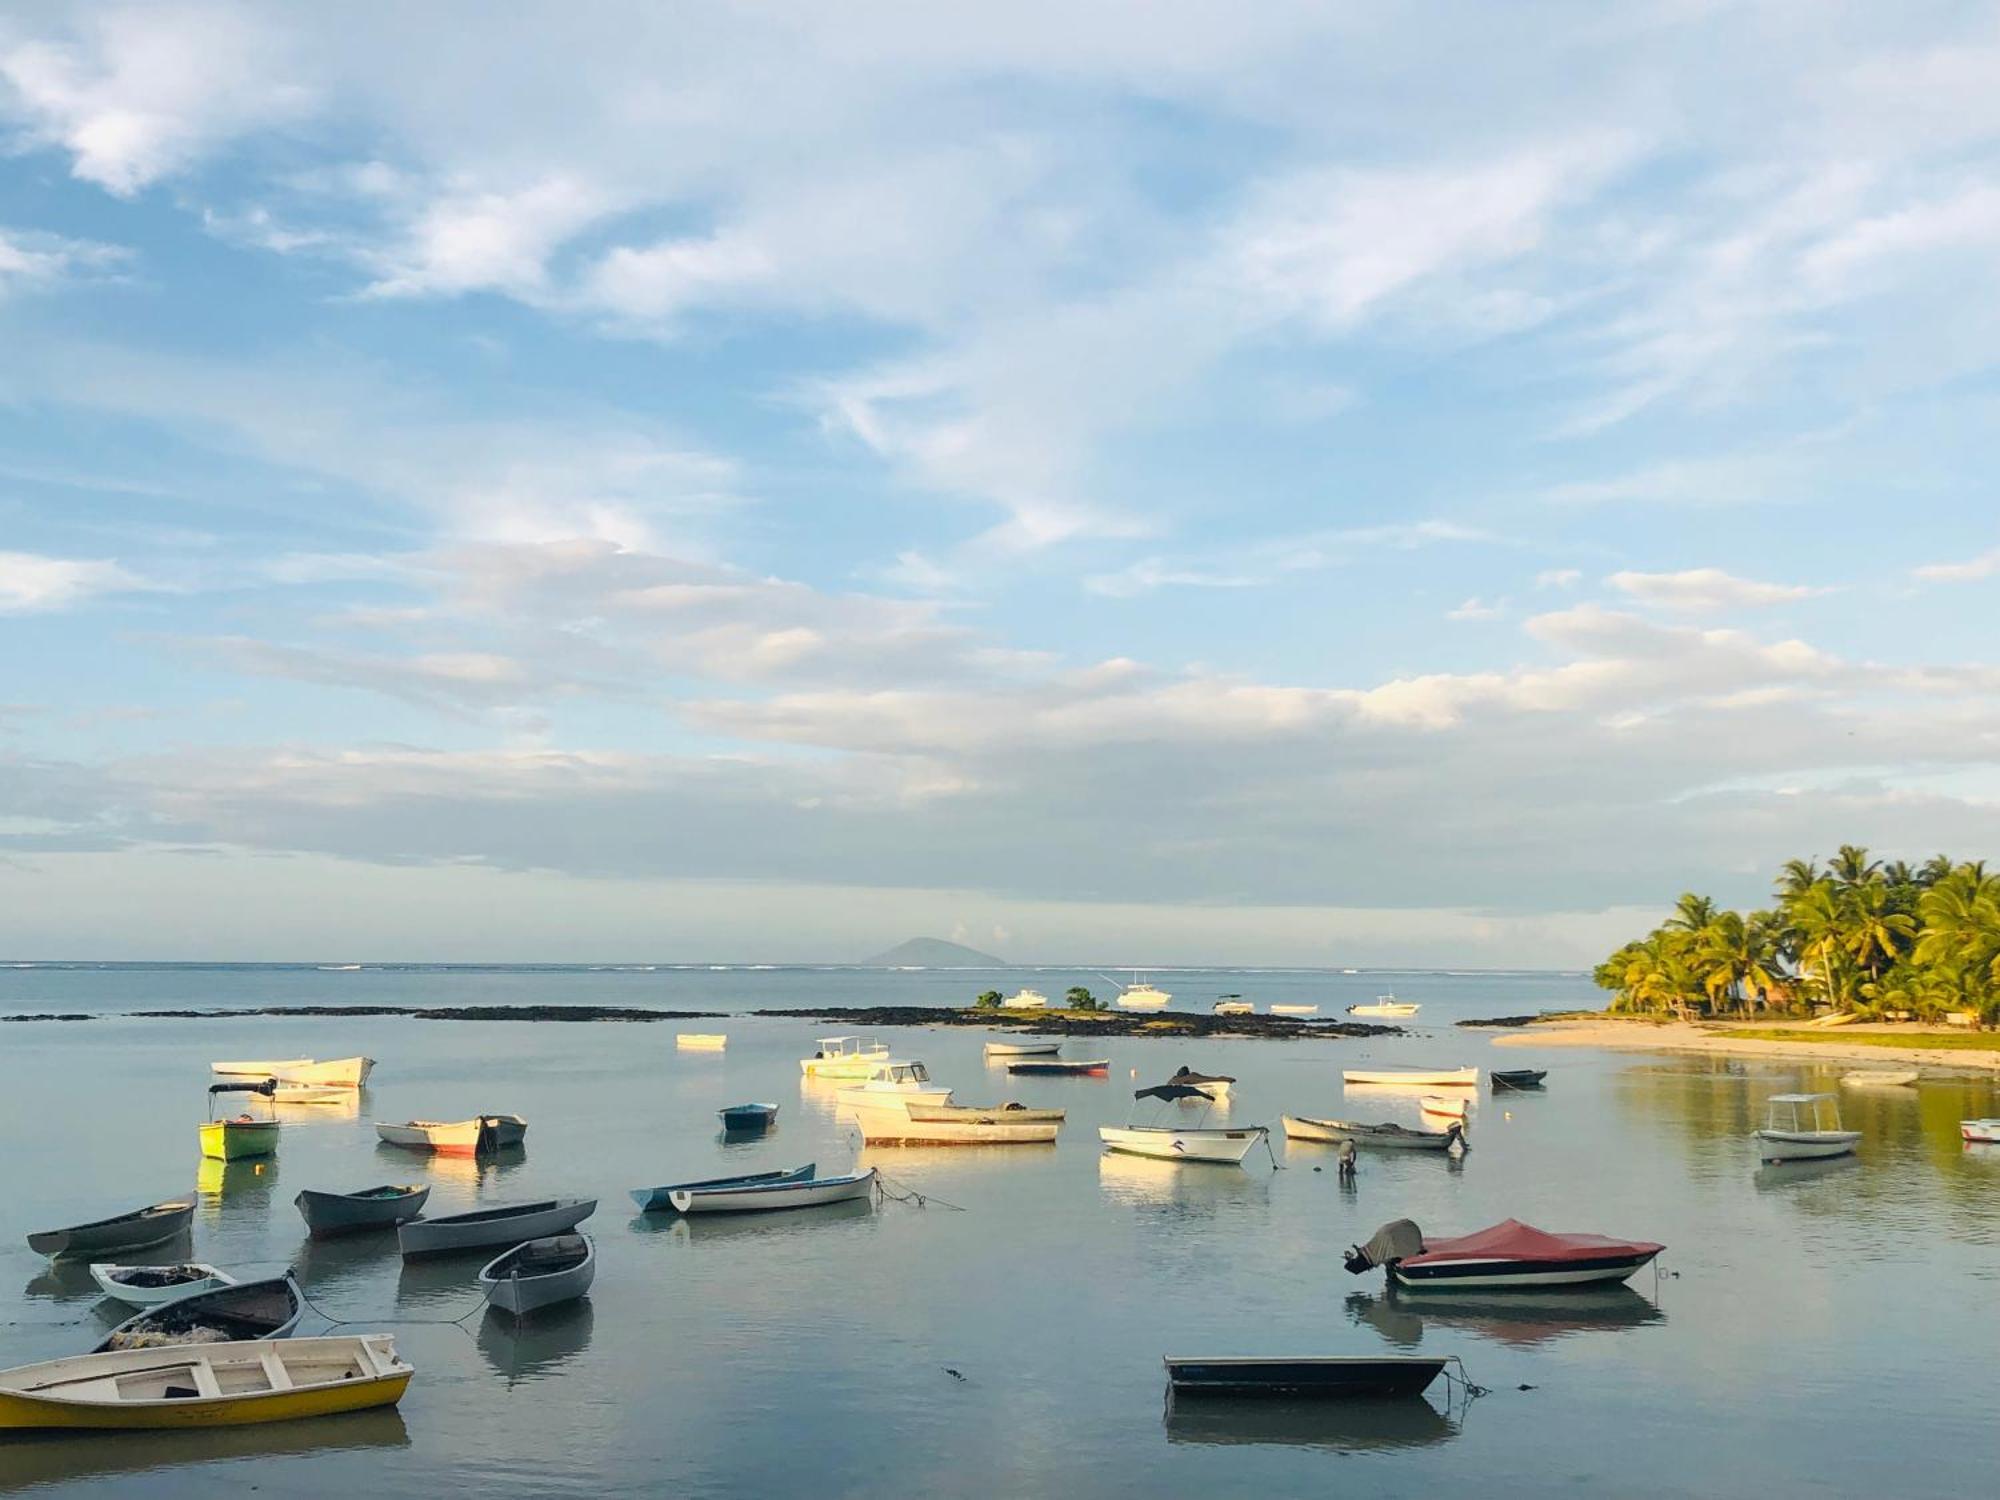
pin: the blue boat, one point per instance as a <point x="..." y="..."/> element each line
<point x="744" y="1118"/>
<point x="661" y="1199"/>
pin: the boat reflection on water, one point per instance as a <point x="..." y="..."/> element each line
<point x="333" y="1266"/>
<point x="1184" y="1187"/>
<point x="443" y="1285"/>
<point x="829" y="1218"/>
<point x="236" y="1190"/>
<point x="535" y="1347"/>
<point x="912" y="1163"/>
<point x="67" y="1459"/>
<point x="347" y="1105"/>
<point x="1779" y="1175"/>
<point x="1522" y="1318"/>
<point x="1336" y="1426"/>
<point x="443" y="1168"/>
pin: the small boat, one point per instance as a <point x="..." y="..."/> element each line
<point x="205" y="1385"/>
<point x="1412" y="1077"/>
<point x="661" y="1199"/>
<point x="1233" y="1005"/>
<point x="540" y="1274"/>
<point x="1888" y="1078"/>
<point x="701" y="1041"/>
<point x="1508" y="1254"/>
<point x="1295" y="1010"/>
<point x="149" y="1286"/>
<point x="1789" y="1136"/>
<point x="456" y="1137"/>
<point x="1139" y="995"/>
<point x="244" y="1135"/>
<point x="1385" y="1005"/>
<point x="331" y="1214"/>
<point x="507" y="1224"/>
<point x="1025" y="999"/>
<point x="960" y="1125"/>
<point x="341" y="1072"/>
<point x="1979" y="1132"/>
<point x="844" y="1057"/>
<point x="258" y="1068"/>
<point x="745" y="1118"/>
<point x="1335" y="1377"/>
<point x="311" y="1093"/>
<point x="1518" y="1078"/>
<point x="749" y="1197"/>
<point x="266" y="1309"/>
<point x="1442" y="1107"/>
<point x="897" y="1081"/>
<point x="1176" y="1143"/>
<point x="1211" y="1085"/>
<point x="1387" y="1137"/>
<point x="1054" y="1067"/>
<point x="1033" y="1048"/>
<point x="133" y="1231"/>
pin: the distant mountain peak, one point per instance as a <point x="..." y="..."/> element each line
<point x="933" y="953"/>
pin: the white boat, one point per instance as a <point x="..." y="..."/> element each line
<point x="1979" y="1132"/>
<point x="340" y="1072"/>
<point x="1295" y="1010"/>
<point x="1441" y="1106"/>
<point x="1385" y="1005"/>
<point x="1170" y="1143"/>
<point x="456" y="1137"/>
<point x="502" y="1224"/>
<point x="1408" y="1077"/>
<point x="701" y="1041"/>
<point x="1139" y="995"/>
<point x="893" y="1082"/>
<point x="1790" y="1136"/>
<point x="540" y="1273"/>
<point x="149" y="1286"/>
<point x="1390" y="1137"/>
<point x="1214" y="1086"/>
<point x="1887" y="1078"/>
<point x="844" y="1057"/>
<point x="1035" y="1048"/>
<point x="763" y="1197"/>
<point x="1234" y="1005"/>
<point x="1025" y="999"/>
<point x="311" y="1093"/>
<point x="258" y="1067"/>
<point x="958" y="1125"/>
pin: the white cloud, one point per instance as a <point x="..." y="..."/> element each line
<point x="1707" y="590"/>
<point x="1150" y="573"/>
<point x="1558" y="578"/>
<point x="35" y="261"/>
<point x="31" y="584"/>
<point x="1478" y="609"/>
<point x="1982" y="565"/>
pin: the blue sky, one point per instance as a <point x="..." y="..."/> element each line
<point x="1325" y="484"/>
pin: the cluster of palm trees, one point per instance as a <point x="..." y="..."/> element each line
<point x="1858" y="935"/>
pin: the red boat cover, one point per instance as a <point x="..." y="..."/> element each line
<point x="1512" y="1240"/>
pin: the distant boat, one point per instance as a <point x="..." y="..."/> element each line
<point x="959" y="1125"/>
<point x="904" y="1082"/>
<point x="504" y="1224"/>
<point x="456" y="1137"/>
<point x="1385" y="1005"/>
<point x="1211" y="1085"/>
<point x="129" y="1231"/>
<point x="1507" y="1254"/>
<point x="1178" y="1143"/>
<point x="765" y="1197"/>
<point x="539" y="1274"/>
<point x="1979" y="1132"/>
<point x="1443" y="1107"/>
<point x="266" y="1309"/>
<point x="1410" y="1077"/>
<point x="1388" y="1137"/>
<point x="1058" y="1067"/>
<point x="660" y="1199"/>
<point x="331" y="1214"/>
<point x="1295" y="1010"/>
<point x="259" y="1067"/>
<point x="844" y="1057"/>
<point x="1880" y="1078"/>
<point x="339" y="968"/>
<point x="1030" y="1048"/>
<point x="1789" y="1136"/>
<point x="1517" y="1078"/>
<point x="148" y="1286"/>
<point x="744" y="1118"/>
<point x="1025" y="999"/>
<point x="205" y="1385"/>
<point x="1337" y="1377"/>
<point x="1234" y="1005"/>
<point x="1139" y="995"/>
<point x="701" y="1041"/>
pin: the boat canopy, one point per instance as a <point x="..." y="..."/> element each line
<point x="1510" y="1239"/>
<point x="1170" y="1091"/>
<point x="267" y="1087"/>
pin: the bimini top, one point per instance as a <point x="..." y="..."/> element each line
<point x="1170" y="1091"/>
<point x="1510" y="1239"/>
<point x="1798" y="1098"/>
<point x="1185" y="1074"/>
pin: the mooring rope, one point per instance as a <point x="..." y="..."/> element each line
<point x="908" y="1194"/>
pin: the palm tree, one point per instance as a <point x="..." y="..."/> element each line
<point x="1879" y="934"/>
<point x="1691" y="913"/>
<point x="1851" y="868"/>
<point x="1735" y="958"/>
<point x="1934" y="869"/>
<point x="1817" y="929"/>
<point x="1796" y="877"/>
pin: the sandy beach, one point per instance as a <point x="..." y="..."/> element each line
<point x="1844" y="1045"/>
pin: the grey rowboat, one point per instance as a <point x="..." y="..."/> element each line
<point x="329" y="1214"/>
<point x="540" y="1273"/>
<point x="267" y="1309"/>
<point x="103" y="1237"/>
<point x="508" y="1224"/>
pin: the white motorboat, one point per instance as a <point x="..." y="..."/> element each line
<point x="1225" y="1144"/>
<point x="1295" y="1011"/>
<point x="1234" y="1005"/>
<point x="1443" y="1106"/>
<point x="456" y="1137"/>
<point x="1790" y="1135"/>
<point x="1979" y="1132"/>
<point x="959" y="1125"/>
<point x="1414" y="1077"/>
<point x="149" y="1286"/>
<point x="1882" y="1078"/>
<point x="1025" y="999"/>
<point x="893" y="1082"/>
<point x="1139" y="995"/>
<point x="1385" y="1005"/>
<point x="1032" y="1048"/>
<point x="1507" y="1254"/>
<point x="844" y="1057"/>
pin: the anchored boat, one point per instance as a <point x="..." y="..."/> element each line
<point x="1789" y="1135"/>
<point x="1058" y="1067"/>
<point x="1385" y="1005"/>
<point x="1025" y="999"/>
<point x="539" y="1274"/>
<point x="266" y="1309"/>
<point x="330" y="1214"/>
<point x="844" y="1057"/>
<point x="1031" y="1048"/>
<point x="1226" y="1146"/>
<point x="1211" y="1085"/>
<point x="1517" y="1078"/>
<point x="747" y="1119"/>
<point x="456" y="1137"/>
<point x="896" y="1081"/>
<point x="661" y="1199"/>
<point x="149" y="1286"/>
<point x="1331" y="1377"/>
<point x="507" y="1224"/>
<point x="131" y="1231"/>
<point x="1387" y="1137"/>
<point x="959" y="1125"/>
<point x="245" y="1135"/>
<point x="1979" y="1132"/>
<point x="752" y="1197"/>
<point x="1414" y="1077"/>
<point x="1508" y="1254"/>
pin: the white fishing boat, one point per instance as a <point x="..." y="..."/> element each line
<point x="1201" y="1143"/>
<point x="844" y="1057"/>
<point x="1233" y="1005"/>
<point x="1213" y="1086"/>
<point x="456" y="1137"/>
<point x="1443" y="1106"/>
<point x="1414" y="1077"/>
<point x="149" y="1286"/>
<point x="1803" y="1127"/>
<point x="958" y="1125"/>
<point x="1025" y="999"/>
<point x="1295" y="1011"/>
<point x="1385" y="1005"/>
<point x="1979" y="1132"/>
<point x="1879" y="1078"/>
<point x="701" y="1041"/>
<point x="1033" y="1047"/>
<point x="1139" y="995"/>
<point x="258" y="1067"/>
<point x="893" y="1082"/>
<point x="1387" y="1136"/>
<point x="742" y="1198"/>
<point x="340" y="1072"/>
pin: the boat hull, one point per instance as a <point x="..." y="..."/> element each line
<point x="1023" y="1049"/>
<point x="1499" y="1275"/>
<point x="134" y="1231"/>
<point x="513" y="1224"/>
<point x="1332" y="1377"/>
<point x="1805" y="1145"/>
<point x="1414" y="1077"/>
<point x="661" y="1199"/>
<point x="1517" y="1078"/>
<point x="360" y="1373"/>
<point x="1298" y="1128"/>
<point x="329" y="1215"/>
<point x="258" y="1067"/>
<point x="247" y="1310"/>
<point x="865" y="1098"/>
<point x="1441" y="1107"/>
<point x="1032" y="1068"/>
<point x="1383" y="1010"/>
<point x="456" y="1137"/>
<point x="753" y="1198"/>
<point x="1884" y="1078"/>
<point x="937" y="1126"/>
<point x="339" y="1072"/>
<point x="748" y="1118"/>
<point x="1223" y="1147"/>
<point x="1979" y="1132"/>
<point x="528" y="1292"/>
<point x="233" y="1140"/>
<point x="109" y="1279"/>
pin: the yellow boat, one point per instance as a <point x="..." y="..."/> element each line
<point x="230" y="1140"/>
<point x="206" y="1385"/>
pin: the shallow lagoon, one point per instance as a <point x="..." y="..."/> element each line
<point x="1822" y="1328"/>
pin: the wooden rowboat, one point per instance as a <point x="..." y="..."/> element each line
<point x="149" y="1286"/>
<point x="762" y="1197"/>
<point x="205" y="1385"/>
<point x="133" y="1231"/>
<point x="340" y="1072"/>
<point x="959" y="1125"/>
<point x="1517" y="1078"/>
<point x="258" y="1067"/>
<point x="540" y="1274"/>
<point x="1405" y="1077"/>
<point x="1050" y="1067"/>
<point x="1337" y="1377"/>
<point x="267" y="1309"/>
<point x="508" y="1224"/>
<point x="1023" y="1049"/>
<point x="456" y="1137"/>
<point x="1443" y="1106"/>
<point x="661" y="1199"/>
<point x="745" y="1118"/>
<point x="1387" y="1137"/>
<point x="330" y="1214"/>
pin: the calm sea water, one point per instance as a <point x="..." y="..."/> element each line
<point x="1823" y="1330"/>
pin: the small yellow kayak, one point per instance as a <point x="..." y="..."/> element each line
<point x="206" y="1385"/>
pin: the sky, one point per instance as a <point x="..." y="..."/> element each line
<point x="1172" y="483"/>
